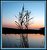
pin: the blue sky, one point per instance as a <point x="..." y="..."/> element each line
<point x="10" y="9"/>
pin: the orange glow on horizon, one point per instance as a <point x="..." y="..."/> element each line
<point x="30" y="26"/>
<point x="11" y="24"/>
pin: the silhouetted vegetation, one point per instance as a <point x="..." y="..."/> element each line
<point x="23" y="31"/>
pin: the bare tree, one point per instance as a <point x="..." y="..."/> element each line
<point x="24" y="20"/>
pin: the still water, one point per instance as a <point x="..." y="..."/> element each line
<point x="13" y="40"/>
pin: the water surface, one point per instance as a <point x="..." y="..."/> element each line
<point x="13" y="40"/>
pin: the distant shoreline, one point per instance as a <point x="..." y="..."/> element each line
<point x="23" y="31"/>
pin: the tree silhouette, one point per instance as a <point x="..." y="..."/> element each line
<point x="23" y="20"/>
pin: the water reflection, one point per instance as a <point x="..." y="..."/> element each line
<point x="13" y="40"/>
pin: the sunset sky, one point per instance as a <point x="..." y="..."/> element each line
<point x="10" y="9"/>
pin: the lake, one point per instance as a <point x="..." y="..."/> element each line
<point x="13" y="40"/>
